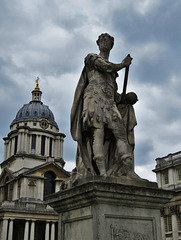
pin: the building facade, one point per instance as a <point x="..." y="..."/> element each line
<point x="33" y="167"/>
<point x="168" y="173"/>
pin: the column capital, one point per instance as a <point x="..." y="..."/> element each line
<point x="33" y="220"/>
<point x="174" y="209"/>
<point x="48" y="221"/>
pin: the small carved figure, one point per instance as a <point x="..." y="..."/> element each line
<point x="99" y="117"/>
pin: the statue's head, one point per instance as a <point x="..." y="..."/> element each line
<point x="105" y="41"/>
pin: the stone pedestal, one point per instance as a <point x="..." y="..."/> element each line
<point x="105" y="209"/>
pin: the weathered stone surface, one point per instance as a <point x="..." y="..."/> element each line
<point x="103" y="120"/>
<point x="105" y="210"/>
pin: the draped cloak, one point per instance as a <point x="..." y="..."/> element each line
<point x="83" y="159"/>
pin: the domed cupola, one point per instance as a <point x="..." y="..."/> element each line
<point x="34" y="137"/>
<point x="35" y="109"/>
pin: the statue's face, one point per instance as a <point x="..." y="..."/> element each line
<point x="105" y="43"/>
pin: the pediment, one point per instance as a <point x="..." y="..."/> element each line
<point x="40" y="170"/>
<point x="6" y="173"/>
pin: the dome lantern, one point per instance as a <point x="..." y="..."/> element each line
<point x="36" y="93"/>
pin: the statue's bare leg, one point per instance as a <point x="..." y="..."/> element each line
<point x="98" y="150"/>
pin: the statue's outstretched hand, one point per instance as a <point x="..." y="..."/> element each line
<point x="127" y="60"/>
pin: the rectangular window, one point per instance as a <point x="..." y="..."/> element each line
<point x="166" y="178"/>
<point x="168" y="223"/>
<point x="43" y="145"/>
<point x="50" y="147"/>
<point x="33" y="144"/>
<point x="15" y="144"/>
<point x="179" y="174"/>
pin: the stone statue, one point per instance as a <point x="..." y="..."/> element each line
<point x="102" y="122"/>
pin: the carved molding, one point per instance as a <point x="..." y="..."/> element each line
<point x="120" y="234"/>
<point x="174" y="209"/>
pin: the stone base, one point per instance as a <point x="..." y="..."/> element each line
<point x="106" y="210"/>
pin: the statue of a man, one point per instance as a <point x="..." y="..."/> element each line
<point x="96" y="122"/>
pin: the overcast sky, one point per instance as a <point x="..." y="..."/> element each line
<point x="50" y="39"/>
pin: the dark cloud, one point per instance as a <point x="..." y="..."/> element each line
<point x="50" y="39"/>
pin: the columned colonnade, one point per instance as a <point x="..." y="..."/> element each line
<point x="29" y="230"/>
<point x="25" y="141"/>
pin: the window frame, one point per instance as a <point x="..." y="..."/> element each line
<point x="49" y="183"/>
<point x="166" y="177"/>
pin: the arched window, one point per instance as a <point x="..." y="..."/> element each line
<point x="49" y="183"/>
<point x="6" y="189"/>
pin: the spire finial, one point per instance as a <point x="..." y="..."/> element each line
<point x="37" y="80"/>
<point x="37" y="87"/>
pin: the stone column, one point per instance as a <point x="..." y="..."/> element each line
<point x="162" y="215"/>
<point x="32" y="232"/>
<point x="61" y="148"/>
<point x="9" y="148"/>
<point x="4" y="229"/>
<point x="19" y="143"/>
<point x="5" y="150"/>
<point x="25" y="142"/>
<point x="53" y="231"/>
<point x="174" y="227"/>
<point x="47" y="230"/>
<point x="47" y="143"/>
<point x="174" y="210"/>
<point x="12" y="146"/>
<point x="162" y="228"/>
<point x="26" y="232"/>
<point x="10" y="232"/>
<point x="55" y="148"/>
<point x="53" y="152"/>
<point x="28" y="143"/>
<point x="38" y="145"/>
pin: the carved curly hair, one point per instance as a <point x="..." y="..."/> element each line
<point x="102" y="36"/>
